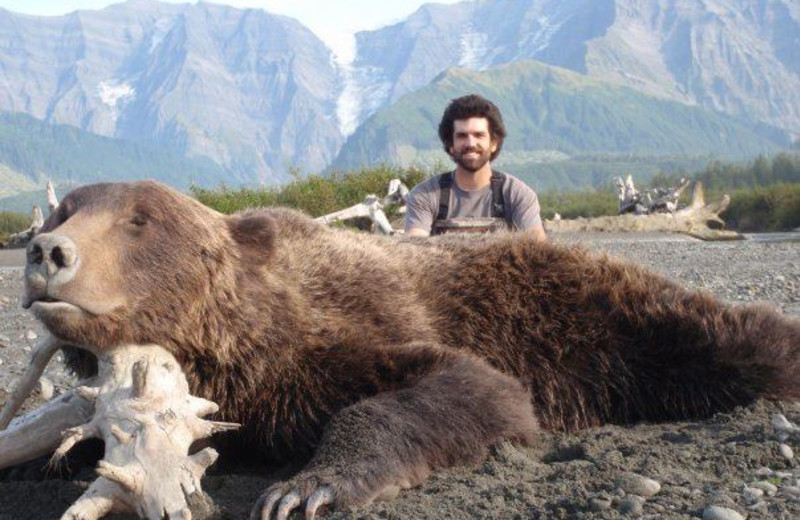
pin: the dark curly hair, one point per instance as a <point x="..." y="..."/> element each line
<point x="468" y="106"/>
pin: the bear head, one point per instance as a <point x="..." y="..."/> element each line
<point x="137" y="262"/>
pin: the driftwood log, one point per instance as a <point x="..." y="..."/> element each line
<point x="139" y="405"/>
<point x="655" y="200"/>
<point x="21" y="239"/>
<point x="698" y="219"/>
<point x="372" y="208"/>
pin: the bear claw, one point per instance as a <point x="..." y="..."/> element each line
<point x="288" y="502"/>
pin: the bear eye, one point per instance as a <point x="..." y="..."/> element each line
<point x="138" y="220"/>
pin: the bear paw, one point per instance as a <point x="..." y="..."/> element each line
<point x="279" y="500"/>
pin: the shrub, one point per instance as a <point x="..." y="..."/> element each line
<point x="776" y="208"/>
<point x="11" y="223"/>
<point x="316" y="195"/>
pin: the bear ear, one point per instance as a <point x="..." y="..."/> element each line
<point x="254" y="232"/>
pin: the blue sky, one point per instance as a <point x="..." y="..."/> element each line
<point x="335" y="21"/>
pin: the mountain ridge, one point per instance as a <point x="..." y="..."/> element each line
<point x="262" y="96"/>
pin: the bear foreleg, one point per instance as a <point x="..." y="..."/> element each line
<point x="448" y="415"/>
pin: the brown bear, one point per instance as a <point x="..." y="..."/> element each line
<point x="382" y="359"/>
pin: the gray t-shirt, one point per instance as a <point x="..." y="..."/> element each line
<point x="422" y="203"/>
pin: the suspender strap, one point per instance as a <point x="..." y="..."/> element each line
<point x="445" y="183"/>
<point x="498" y="205"/>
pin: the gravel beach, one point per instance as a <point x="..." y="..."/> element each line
<point x="733" y="465"/>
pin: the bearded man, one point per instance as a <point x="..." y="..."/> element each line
<point x="473" y="197"/>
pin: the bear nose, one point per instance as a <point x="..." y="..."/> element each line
<point x="52" y="253"/>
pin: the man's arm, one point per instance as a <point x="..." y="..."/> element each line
<point x="526" y="212"/>
<point x="419" y="213"/>
<point x="417" y="232"/>
<point x="538" y="231"/>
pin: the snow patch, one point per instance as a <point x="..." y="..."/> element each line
<point x="365" y="90"/>
<point x="112" y="94"/>
<point x="540" y="40"/>
<point x="474" y="47"/>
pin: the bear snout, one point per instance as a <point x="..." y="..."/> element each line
<point x="52" y="261"/>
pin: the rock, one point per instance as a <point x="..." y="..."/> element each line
<point x="786" y="451"/>
<point x="782" y="424"/>
<point x="720" y="513"/>
<point x="636" y="484"/>
<point x="764" y="472"/>
<point x="599" y="503"/>
<point x="632" y="505"/>
<point x="767" y="487"/>
<point x="752" y="495"/>
<point x="5" y="341"/>
<point x="791" y="491"/>
<point x="46" y="389"/>
<point x="30" y="335"/>
<point x="759" y="507"/>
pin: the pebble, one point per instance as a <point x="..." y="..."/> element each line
<point x="767" y="487"/>
<point x="46" y="389"/>
<point x="752" y="495"/>
<point x="30" y="335"/>
<point x="598" y="504"/>
<point x="632" y="505"/>
<point x="791" y="491"/>
<point x="764" y="472"/>
<point x="782" y="424"/>
<point x="636" y="484"/>
<point x="759" y="507"/>
<point x="720" y="513"/>
<point x="786" y="451"/>
<point x="5" y="339"/>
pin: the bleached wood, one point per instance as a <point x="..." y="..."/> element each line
<point x="40" y="432"/>
<point x="40" y="355"/>
<point x="372" y="207"/>
<point x="694" y="220"/>
<point x="52" y="200"/>
<point x="148" y="420"/>
<point x="22" y="238"/>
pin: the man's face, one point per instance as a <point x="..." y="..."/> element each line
<point x="473" y="145"/>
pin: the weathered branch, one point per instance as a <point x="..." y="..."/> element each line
<point x="52" y="201"/>
<point x="40" y="356"/>
<point x="372" y="208"/>
<point x="139" y="405"/>
<point x="698" y="219"/>
<point x="22" y="238"/>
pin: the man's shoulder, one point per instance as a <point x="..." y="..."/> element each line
<point x="516" y="185"/>
<point x="429" y="185"/>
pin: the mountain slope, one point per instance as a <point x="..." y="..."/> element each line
<point x="741" y="57"/>
<point x="252" y="91"/>
<point x="32" y="152"/>
<point x="554" y="113"/>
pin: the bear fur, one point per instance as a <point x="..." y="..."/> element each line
<point x="383" y="359"/>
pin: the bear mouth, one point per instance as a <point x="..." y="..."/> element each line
<point x="49" y="304"/>
<point x="52" y="304"/>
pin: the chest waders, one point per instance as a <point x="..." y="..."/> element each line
<point x="497" y="222"/>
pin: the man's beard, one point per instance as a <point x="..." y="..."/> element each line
<point x="475" y="163"/>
